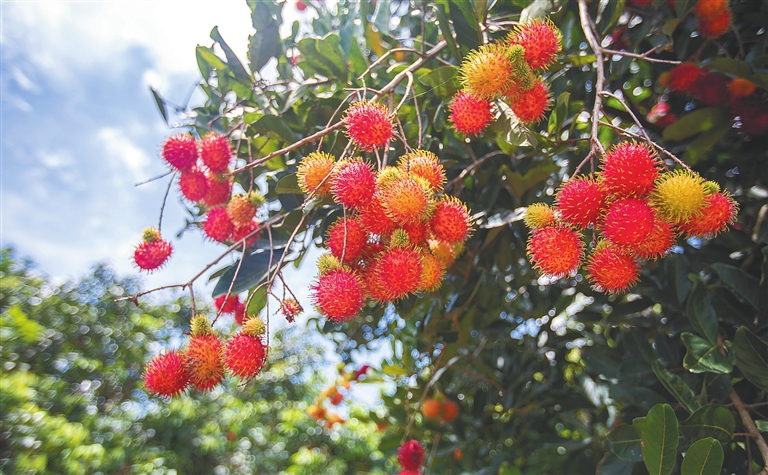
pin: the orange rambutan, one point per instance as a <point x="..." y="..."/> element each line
<point x="711" y="89"/>
<point x="628" y="222"/>
<point x="426" y="165"/>
<point x="611" y="270"/>
<point x="444" y="251"/>
<point x="710" y="8"/>
<point x="290" y="308"/>
<point x="242" y="208"/>
<point x="369" y="124"/>
<point x="432" y="408"/>
<point x="374" y="286"/>
<point x="470" y="114"/>
<point x="399" y="270"/>
<point x="205" y="361"/>
<point x="431" y="273"/>
<point x="346" y="237"/>
<point x="555" y="251"/>
<point x="678" y="196"/>
<point x="740" y="87"/>
<point x="245" y="355"/>
<point x="539" y="215"/>
<point x="580" y="201"/>
<point x="193" y="184"/>
<point x="180" y="151"/>
<point x="487" y="71"/>
<point x="338" y="294"/>
<point x="718" y="211"/>
<point x="219" y="188"/>
<point x="450" y="411"/>
<point x="374" y="217"/>
<point x="217" y="225"/>
<point x="629" y="169"/>
<point x="166" y="374"/>
<point x="657" y="242"/>
<point x="541" y="40"/>
<point x="315" y="173"/>
<point x="354" y="184"/>
<point x="715" y="26"/>
<point x="683" y="77"/>
<point x="250" y="229"/>
<point x="451" y="221"/>
<point x="405" y="200"/>
<point x="215" y="152"/>
<point x="530" y="106"/>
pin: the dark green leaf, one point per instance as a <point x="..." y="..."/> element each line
<point x="702" y="356"/>
<point x="625" y="443"/>
<point x="704" y="143"/>
<point x="288" y="185"/>
<point x="705" y="457"/>
<point x="233" y="62"/>
<point x="518" y="183"/>
<point x="274" y="127"/>
<point x="700" y="312"/>
<point x="696" y="122"/>
<point x="751" y="356"/>
<point x="465" y="24"/>
<point x="258" y="301"/>
<point x="737" y="280"/>
<point x="762" y="426"/>
<point x="254" y="270"/>
<point x="712" y="420"/>
<point x="443" y="81"/>
<point x="160" y="102"/>
<point x="559" y="113"/>
<point x="445" y="29"/>
<point x="676" y="386"/>
<point x="658" y="432"/>
<point x="263" y="46"/>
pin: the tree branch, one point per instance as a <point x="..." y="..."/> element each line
<point x="595" y="145"/>
<point x="751" y="429"/>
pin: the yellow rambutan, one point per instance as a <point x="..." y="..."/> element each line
<point x="426" y="165"/>
<point x="678" y="196"/>
<point x="539" y="215"/>
<point x="405" y="200"/>
<point x="315" y="173"/>
<point x="487" y="71"/>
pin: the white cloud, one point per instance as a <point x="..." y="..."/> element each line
<point x="55" y="159"/>
<point x="121" y="148"/>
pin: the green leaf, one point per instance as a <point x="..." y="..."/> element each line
<point x="559" y="113"/>
<point x="712" y="420"/>
<point x="393" y="370"/>
<point x="700" y="312"/>
<point x="670" y="26"/>
<point x="762" y="426"/>
<point x="263" y="46"/>
<point x="741" y="283"/>
<point x="253" y="270"/>
<point x="233" y="62"/>
<point x="676" y="386"/>
<point x="625" y="443"/>
<point x="27" y="329"/>
<point x="207" y="61"/>
<point x="698" y="121"/>
<point x="443" y="81"/>
<point x="445" y="29"/>
<point x="160" y="102"/>
<point x="659" y="436"/>
<point x="751" y="356"/>
<point x="258" y="301"/>
<point x="274" y="127"/>
<point x="465" y="23"/>
<point x="703" y="357"/>
<point x="539" y="8"/>
<point x="704" y="143"/>
<point x="705" y="457"/>
<point x="331" y="53"/>
<point x="288" y="185"/>
<point x="518" y="183"/>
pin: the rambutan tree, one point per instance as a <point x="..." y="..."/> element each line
<point x="554" y="212"/>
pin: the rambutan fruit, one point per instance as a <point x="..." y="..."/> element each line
<point x="555" y="251"/>
<point x="242" y="208"/>
<point x="399" y="238"/>
<point x="740" y="87"/>
<point x="215" y="152"/>
<point x="710" y="8"/>
<point x="711" y="89"/>
<point x="409" y="472"/>
<point x="539" y="215"/>
<point x="354" y="184"/>
<point x="205" y="361"/>
<point x="678" y="196"/>
<point x="450" y="411"/>
<point x="193" y="184"/>
<point x="628" y="222"/>
<point x="346" y="237"/>
<point x="431" y="273"/>
<point x="339" y="295"/>
<point x="717" y="25"/>
<point x="541" y="40"/>
<point x="152" y="252"/>
<point x="245" y="355"/>
<point x="374" y="217"/>
<point x="611" y="270"/>
<point x="166" y="374"/>
<point x="180" y="151"/>
<point x="530" y="106"/>
<point x="718" y="211"/>
<point x="227" y="304"/>
<point x="250" y="229"/>
<point x="405" y="200"/>
<point x="426" y="165"/>
<point x="752" y="111"/>
<point x="411" y="455"/>
<point x="374" y="286"/>
<point x="315" y="173"/>
<point x="290" y="308"/>
<point x="683" y="77"/>
<point x="432" y="408"/>
<point x="386" y="176"/>
<point x="369" y="125"/>
<point x="199" y="325"/>
<point x="470" y="114"/>
<point x="399" y="270"/>
<point x="580" y="201"/>
<point x="658" y="242"/>
<point x="417" y="232"/>
<point x="629" y="169"/>
<point x="451" y="221"/>
<point x="254" y="327"/>
<point x="487" y="71"/>
<point x="217" y="225"/>
<point x="219" y="188"/>
<point x="327" y="263"/>
<point x="443" y="251"/>
<point x="240" y="314"/>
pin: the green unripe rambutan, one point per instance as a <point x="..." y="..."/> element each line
<point x="254" y="327"/>
<point x="327" y="263"/>
<point x="539" y="215"/>
<point x="200" y="325"/>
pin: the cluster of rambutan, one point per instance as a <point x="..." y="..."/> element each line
<point x="714" y="17"/>
<point x="744" y="99"/>
<point x="438" y="408"/>
<point x="411" y="457"/>
<point x="203" y="363"/>
<point x="637" y="211"/>
<point x="507" y="70"/>
<point x="334" y="395"/>
<point x="398" y="234"/>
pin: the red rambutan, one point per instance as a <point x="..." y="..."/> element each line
<point x="215" y="152"/>
<point x="717" y="25"/>
<point x="315" y="173"/>
<point x="451" y="221"/>
<point x="205" y="361"/>
<point x="710" y="8"/>
<point x="374" y="217"/>
<point x="245" y="355"/>
<point x="629" y="169"/>
<point x="152" y="252"/>
<point x="628" y="222"/>
<point x="417" y="232"/>
<point x="530" y="106"/>
<point x="227" y="304"/>
<point x="683" y="77"/>
<point x="193" y="184"/>
<point x="399" y="270"/>
<point x="166" y="374"/>
<point x="555" y="251"/>
<point x="239" y="232"/>
<point x="411" y="455"/>
<point x="611" y="270"/>
<point x="657" y="242"/>
<point x="219" y="188"/>
<point x="541" y="40"/>
<point x="180" y="151"/>
<point x="470" y="114"/>
<point x="711" y="89"/>
<point x="426" y="165"/>
<point x="752" y="111"/>
<point x="369" y="125"/>
<point x="346" y="237"/>
<point x="290" y="308"/>
<point x="240" y="314"/>
<point x="405" y="200"/>
<point x="580" y="201"/>
<point x="374" y="286"/>
<point x="242" y="208"/>
<point x="719" y="210"/>
<point x="217" y="225"/>
<point x="354" y="184"/>
<point x="338" y="295"/>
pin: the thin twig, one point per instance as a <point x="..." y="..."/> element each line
<point x="749" y="425"/>
<point x="154" y="178"/>
<point x="632" y="114"/>
<point x="430" y="382"/>
<point x="231" y="284"/>
<point x="484" y="378"/>
<point x="165" y="200"/>
<point x="433" y="452"/>
<point x="643" y="56"/>
<point x="595" y="145"/>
